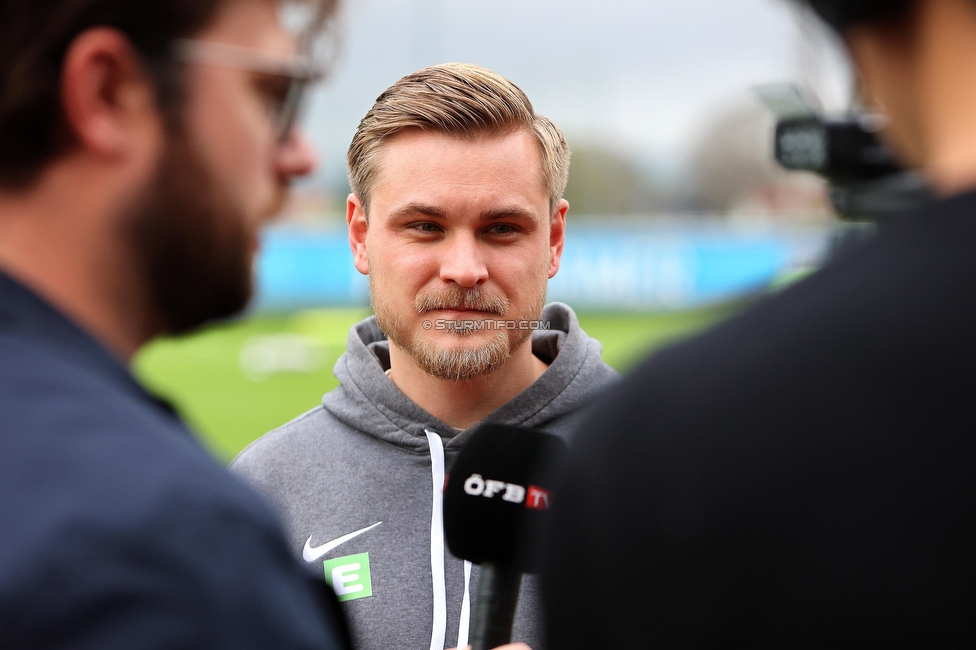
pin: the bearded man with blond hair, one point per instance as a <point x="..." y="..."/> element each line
<point x="458" y="219"/>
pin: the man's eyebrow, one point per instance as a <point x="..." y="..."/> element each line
<point x="419" y="208"/>
<point x="507" y="213"/>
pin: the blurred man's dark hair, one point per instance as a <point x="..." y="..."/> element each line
<point x="842" y="13"/>
<point x="34" y="36"/>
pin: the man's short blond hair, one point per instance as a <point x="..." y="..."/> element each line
<point x="461" y="100"/>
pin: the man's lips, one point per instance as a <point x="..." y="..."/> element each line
<point x="463" y="313"/>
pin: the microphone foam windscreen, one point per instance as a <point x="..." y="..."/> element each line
<point x="498" y="495"/>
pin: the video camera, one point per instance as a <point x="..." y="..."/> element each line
<point x="866" y="182"/>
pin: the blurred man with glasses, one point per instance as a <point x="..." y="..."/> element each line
<point x="142" y="145"/>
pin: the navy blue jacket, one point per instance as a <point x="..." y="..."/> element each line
<point x="117" y="530"/>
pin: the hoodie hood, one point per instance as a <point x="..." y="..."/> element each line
<point x="367" y="400"/>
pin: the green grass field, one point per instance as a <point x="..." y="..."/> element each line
<point x="220" y="380"/>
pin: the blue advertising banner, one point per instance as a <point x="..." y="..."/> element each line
<point x="622" y="265"/>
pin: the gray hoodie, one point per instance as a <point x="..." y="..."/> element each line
<point x="359" y="484"/>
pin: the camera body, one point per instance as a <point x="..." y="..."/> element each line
<point x="843" y="150"/>
<point x="866" y="182"/>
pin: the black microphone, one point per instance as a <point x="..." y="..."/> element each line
<point x="495" y="505"/>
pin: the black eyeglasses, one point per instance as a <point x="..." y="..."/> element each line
<point x="297" y="70"/>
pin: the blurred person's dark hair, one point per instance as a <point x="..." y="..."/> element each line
<point x="36" y="34"/>
<point x="34" y="37"/>
<point x="844" y="13"/>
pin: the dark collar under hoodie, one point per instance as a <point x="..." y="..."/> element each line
<point x="359" y="479"/>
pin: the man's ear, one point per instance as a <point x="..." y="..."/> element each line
<point x="557" y="236"/>
<point x="107" y="97"/>
<point x="356" y="219"/>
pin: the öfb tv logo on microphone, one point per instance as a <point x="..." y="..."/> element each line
<point x="535" y="498"/>
<point x="495" y="511"/>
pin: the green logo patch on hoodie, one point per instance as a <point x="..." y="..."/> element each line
<point x="349" y="576"/>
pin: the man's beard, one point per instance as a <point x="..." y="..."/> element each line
<point x="191" y="243"/>
<point x="458" y="363"/>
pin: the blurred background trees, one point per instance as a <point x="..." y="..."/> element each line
<point x="603" y="180"/>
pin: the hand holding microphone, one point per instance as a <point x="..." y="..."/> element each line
<point x="495" y="505"/>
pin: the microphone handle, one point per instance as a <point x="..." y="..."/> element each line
<point x="494" y="607"/>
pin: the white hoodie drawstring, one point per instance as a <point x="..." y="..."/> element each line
<point x="439" y="628"/>
<point x="465" y="608"/>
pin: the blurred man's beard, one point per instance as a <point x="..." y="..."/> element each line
<point x="458" y="363"/>
<point x="191" y="242"/>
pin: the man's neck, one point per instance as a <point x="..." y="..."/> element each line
<point x="461" y="404"/>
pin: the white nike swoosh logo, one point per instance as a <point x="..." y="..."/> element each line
<point x="310" y="553"/>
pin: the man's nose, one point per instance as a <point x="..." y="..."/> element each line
<point x="462" y="262"/>
<point x="296" y="156"/>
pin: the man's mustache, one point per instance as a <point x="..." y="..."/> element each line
<point x="456" y="297"/>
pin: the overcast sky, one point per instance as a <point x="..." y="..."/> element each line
<point x="644" y="76"/>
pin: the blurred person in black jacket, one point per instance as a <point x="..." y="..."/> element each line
<point x="803" y="475"/>
<point x="142" y="144"/>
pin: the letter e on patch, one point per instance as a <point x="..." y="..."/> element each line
<point x="349" y="576"/>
